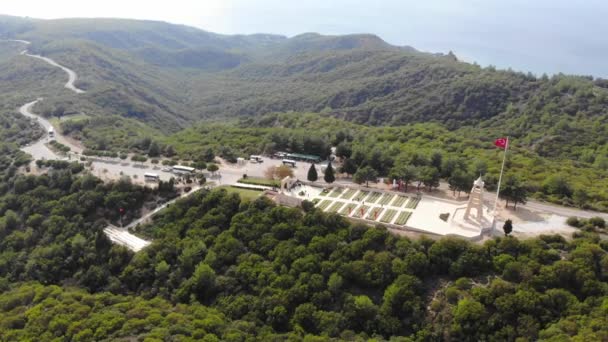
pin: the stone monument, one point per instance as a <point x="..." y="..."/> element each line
<point x="476" y="200"/>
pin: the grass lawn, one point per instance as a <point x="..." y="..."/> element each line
<point x="248" y="194"/>
<point x="260" y="181"/>
<point x="76" y="117"/>
<point x="324" y="204"/>
<point x="386" y="199"/>
<point x="373" y="197"/>
<point x="374" y="213"/>
<point x="360" y="211"/>
<point x="388" y="216"/>
<point x="413" y="203"/>
<point x="360" y="196"/>
<point x="324" y="192"/>
<point x="348" y="193"/>
<point x="399" y="201"/>
<point x="337" y="192"/>
<point x="403" y="217"/>
<point x="348" y="209"/>
<point x="336" y="206"/>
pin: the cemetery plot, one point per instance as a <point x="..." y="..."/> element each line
<point x="374" y="213"/>
<point x="336" y="192"/>
<point x="413" y="203"/>
<point x="403" y="217"/>
<point x="388" y="216"/>
<point x="386" y="199"/>
<point x="324" y="204"/>
<point x="348" y="209"/>
<point x="348" y="194"/>
<point x="360" y="196"/>
<point x="399" y="201"/>
<point x="336" y="206"/>
<point x="360" y="211"/>
<point x="373" y="197"/>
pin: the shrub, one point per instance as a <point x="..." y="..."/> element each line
<point x="597" y="222"/>
<point x="574" y="221"/>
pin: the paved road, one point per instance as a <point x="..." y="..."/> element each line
<point x="72" y="76"/>
<point x="490" y="197"/>
<point x="38" y="149"/>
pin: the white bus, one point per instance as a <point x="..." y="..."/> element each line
<point x="256" y="159"/>
<point x="179" y="169"/>
<point x="289" y="162"/>
<point x="152" y="177"/>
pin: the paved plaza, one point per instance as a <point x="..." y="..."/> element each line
<point x="398" y="210"/>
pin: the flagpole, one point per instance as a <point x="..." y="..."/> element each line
<point x="502" y="168"/>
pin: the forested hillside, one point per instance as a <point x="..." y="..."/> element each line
<point x="152" y="81"/>
<point x="221" y="268"/>
<point x="169" y="76"/>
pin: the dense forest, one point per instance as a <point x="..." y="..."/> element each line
<point x="221" y="268"/>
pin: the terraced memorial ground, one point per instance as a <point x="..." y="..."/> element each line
<point x="388" y="216"/>
<point x="324" y="204"/>
<point x="373" y="197"/>
<point x="379" y="206"/>
<point x="399" y="201"/>
<point x="348" y="194"/>
<point x="336" y="192"/>
<point x="412" y="203"/>
<point x="402" y="218"/>
<point x="336" y="206"/>
<point x="374" y="213"/>
<point x="360" y="195"/>
<point x="386" y="199"/>
<point x="360" y="211"/>
<point x="348" y="209"/>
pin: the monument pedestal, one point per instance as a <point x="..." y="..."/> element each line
<point x="474" y="216"/>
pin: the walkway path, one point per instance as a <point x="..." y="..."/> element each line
<point x="122" y="236"/>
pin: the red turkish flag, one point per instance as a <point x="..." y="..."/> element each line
<point x="501" y="143"/>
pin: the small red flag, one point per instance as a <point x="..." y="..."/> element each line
<point x="501" y="143"/>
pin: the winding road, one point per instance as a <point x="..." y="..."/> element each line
<point x="72" y="76"/>
<point x="40" y="150"/>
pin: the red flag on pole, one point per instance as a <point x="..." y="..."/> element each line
<point x="501" y="143"/>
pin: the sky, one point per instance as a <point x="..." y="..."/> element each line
<point x="541" y="36"/>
